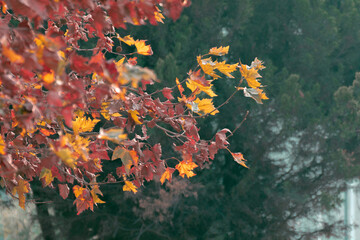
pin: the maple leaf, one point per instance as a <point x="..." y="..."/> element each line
<point x="193" y="85"/>
<point x="66" y="157"/>
<point x="11" y="55"/>
<point x="158" y="15"/>
<point x="185" y="167"/>
<point x="128" y="157"/>
<point x="208" y="66"/>
<point x="219" y="51"/>
<point x="255" y="93"/>
<point x="140" y="45"/>
<point x="142" y="48"/>
<point x="2" y="145"/>
<point x="129" y="186"/>
<point x="47" y="175"/>
<point x="21" y="188"/>
<point x="226" y="68"/>
<point x="83" y="124"/>
<point x="167" y="175"/>
<point x="203" y="106"/>
<point x="239" y="158"/>
<point x="94" y="191"/>
<point x="257" y="64"/>
<point x="250" y="75"/>
<point x="83" y="199"/>
<point x="127" y="39"/>
<point x="134" y="114"/>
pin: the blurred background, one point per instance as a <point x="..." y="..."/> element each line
<point x="302" y="145"/>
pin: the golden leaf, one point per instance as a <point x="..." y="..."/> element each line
<point x="66" y="157"/>
<point x="127" y="39"/>
<point x="250" y="75"/>
<point x="158" y="15"/>
<point x="185" y="167"/>
<point x="78" y="190"/>
<point x="94" y="191"/>
<point x="83" y="124"/>
<point x="204" y="106"/>
<point x="142" y="48"/>
<point x="11" y="55"/>
<point x="49" y="77"/>
<point x="22" y="188"/>
<point x="129" y="186"/>
<point x="2" y="145"/>
<point x="47" y="175"/>
<point x="193" y="85"/>
<point x="208" y="66"/>
<point x="135" y="116"/>
<point x="219" y="51"/>
<point x="226" y="68"/>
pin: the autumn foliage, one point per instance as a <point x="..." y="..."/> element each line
<point x="63" y="114"/>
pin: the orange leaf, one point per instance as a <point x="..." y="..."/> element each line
<point x="239" y="158"/>
<point x="167" y="175"/>
<point x="2" y="145"/>
<point x="47" y="175"/>
<point x="185" y="167"/>
<point x="22" y="188"/>
<point x="11" y="55"/>
<point x="142" y="48"/>
<point x="219" y="51"/>
<point x="129" y="186"/>
<point x="49" y="77"/>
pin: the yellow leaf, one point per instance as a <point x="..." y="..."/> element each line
<point x="185" y="167"/>
<point x="83" y="124"/>
<point x="142" y="48"/>
<point x="94" y="195"/>
<point x="78" y="190"/>
<point x="239" y="158"/>
<point x="135" y="116"/>
<point x="219" y="51"/>
<point x="49" y="77"/>
<point x="2" y="145"/>
<point x="47" y="175"/>
<point x="208" y="66"/>
<point x="193" y="85"/>
<point x="22" y="188"/>
<point x="158" y="15"/>
<point x="127" y="39"/>
<point x="226" y="68"/>
<point x="11" y="55"/>
<point x="129" y="186"/>
<point x="204" y="106"/>
<point x="66" y="157"/>
<point x="250" y="75"/>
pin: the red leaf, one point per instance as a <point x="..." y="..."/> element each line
<point x="167" y="93"/>
<point x="64" y="190"/>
